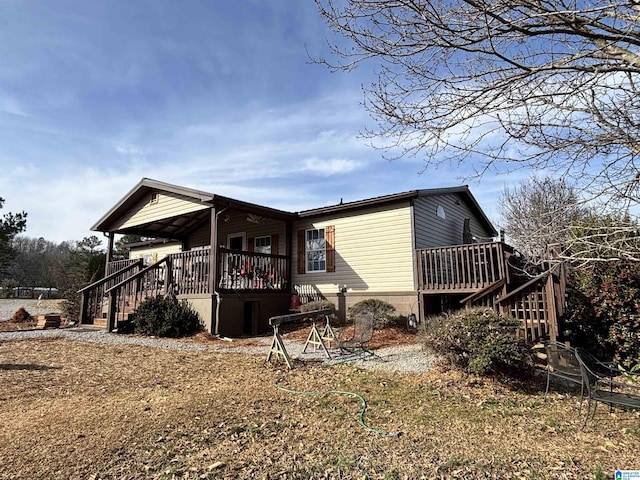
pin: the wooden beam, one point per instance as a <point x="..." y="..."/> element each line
<point x="213" y="255"/>
<point x="288" y="233"/>
<point x="109" y="254"/>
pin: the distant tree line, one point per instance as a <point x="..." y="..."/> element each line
<point x="66" y="266"/>
<point x="36" y="262"/>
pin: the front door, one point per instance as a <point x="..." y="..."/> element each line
<point x="235" y="241"/>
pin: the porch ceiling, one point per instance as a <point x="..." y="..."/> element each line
<point x="178" y="227"/>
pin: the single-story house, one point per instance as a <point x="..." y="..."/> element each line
<point x="238" y="263"/>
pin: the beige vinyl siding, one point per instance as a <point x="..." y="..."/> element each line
<point x="433" y="231"/>
<point x="373" y="251"/>
<point x="199" y="238"/>
<point x="168" y="205"/>
<point x="161" y="250"/>
<point x="232" y="222"/>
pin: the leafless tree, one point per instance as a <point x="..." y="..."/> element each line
<point x="603" y="238"/>
<point x="548" y="84"/>
<point x="539" y="214"/>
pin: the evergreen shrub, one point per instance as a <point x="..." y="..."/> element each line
<point x="318" y="305"/>
<point x="165" y="317"/>
<point x="383" y="312"/>
<point x="478" y="340"/>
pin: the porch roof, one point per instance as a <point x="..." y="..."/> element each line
<point x="178" y="226"/>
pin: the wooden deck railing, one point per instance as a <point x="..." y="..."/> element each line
<point x="183" y="273"/>
<point x="120" y="264"/>
<point x="461" y="268"/>
<point x="125" y="296"/>
<point x="536" y="304"/>
<point x="239" y="270"/>
<point x="190" y="271"/>
<point x="92" y="303"/>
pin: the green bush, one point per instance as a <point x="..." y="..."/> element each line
<point x="478" y="340"/>
<point x="383" y="312"/>
<point x="165" y="317"/>
<point x="603" y="313"/>
<point x="318" y="305"/>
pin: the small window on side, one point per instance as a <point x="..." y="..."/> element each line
<point x="440" y="211"/>
<point x="154" y="197"/>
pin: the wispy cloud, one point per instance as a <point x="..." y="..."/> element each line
<point x="96" y="95"/>
<point x="12" y="106"/>
<point x="329" y="166"/>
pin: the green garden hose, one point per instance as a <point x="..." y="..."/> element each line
<point x="350" y="394"/>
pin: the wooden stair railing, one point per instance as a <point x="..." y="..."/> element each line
<point x="487" y="297"/>
<point x="536" y="306"/>
<point x="92" y="296"/>
<point x="124" y="297"/>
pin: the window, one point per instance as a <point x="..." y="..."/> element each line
<point x="154" y="197"/>
<point x="440" y="211"/>
<point x="236" y="241"/>
<point x="262" y="245"/>
<point x="315" y="248"/>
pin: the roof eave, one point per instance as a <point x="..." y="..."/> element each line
<point x="396" y="197"/>
<point x="105" y="222"/>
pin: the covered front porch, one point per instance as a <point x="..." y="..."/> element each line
<point x="234" y="266"/>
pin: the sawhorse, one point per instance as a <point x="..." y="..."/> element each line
<point x="315" y="338"/>
<point x="277" y="348"/>
<point x="320" y="340"/>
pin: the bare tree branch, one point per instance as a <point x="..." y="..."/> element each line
<point x="548" y="84"/>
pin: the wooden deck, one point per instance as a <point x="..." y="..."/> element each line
<point x="485" y="273"/>
<point x="461" y="268"/>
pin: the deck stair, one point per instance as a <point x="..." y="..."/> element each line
<point x="492" y="275"/>
<point x="112" y="299"/>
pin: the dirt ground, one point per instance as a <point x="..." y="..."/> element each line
<point x="91" y="411"/>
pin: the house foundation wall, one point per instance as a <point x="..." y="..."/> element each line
<point x="405" y="302"/>
<point x="205" y="306"/>
<point x="249" y="313"/>
<point x="240" y="314"/>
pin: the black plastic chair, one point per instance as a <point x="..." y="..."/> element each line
<point x="600" y="384"/>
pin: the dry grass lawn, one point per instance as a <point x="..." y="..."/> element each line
<point x="85" y="411"/>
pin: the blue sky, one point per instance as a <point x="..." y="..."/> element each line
<point x="214" y="95"/>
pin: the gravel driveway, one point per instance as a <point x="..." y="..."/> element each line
<point x="407" y="358"/>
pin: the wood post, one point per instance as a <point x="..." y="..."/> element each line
<point x="109" y="254"/>
<point x="84" y="303"/>
<point x="552" y="318"/>
<point x="213" y="271"/>
<point x="111" y="311"/>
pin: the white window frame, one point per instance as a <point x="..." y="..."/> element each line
<point x="308" y="251"/>
<point x="239" y="234"/>
<point x="257" y="247"/>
